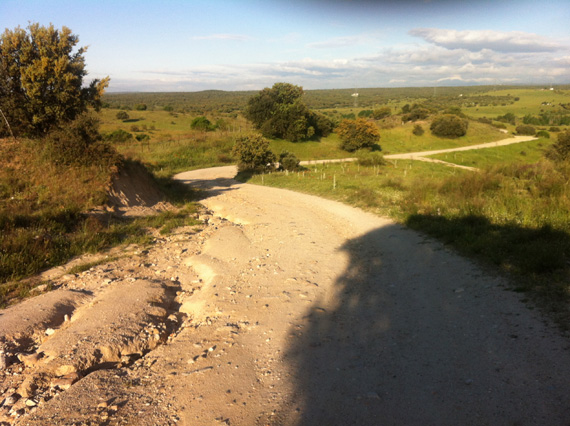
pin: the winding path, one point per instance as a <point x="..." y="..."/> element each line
<point x="362" y="321"/>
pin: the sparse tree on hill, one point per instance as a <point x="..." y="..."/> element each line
<point x="41" y="79"/>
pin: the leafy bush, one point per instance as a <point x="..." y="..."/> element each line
<point x="509" y="117"/>
<point x="499" y="125"/>
<point x="418" y="130"/>
<point x="367" y="158"/>
<point x="201" y="123"/>
<point x="357" y="134"/>
<point x="117" y="136"/>
<point x="253" y="154"/>
<point x="365" y="113"/>
<point x="525" y="129"/>
<point x="141" y="107"/>
<point x="122" y="115"/>
<point x="560" y="151"/>
<point x="380" y="113"/>
<point x="543" y="134"/>
<point x="449" y="126"/>
<point x="77" y="143"/>
<point x="554" y="129"/>
<point x="288" y="161"/>
<point x="484" y="120"/>
<point x="143" y="137"/>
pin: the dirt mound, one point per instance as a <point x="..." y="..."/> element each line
<point x="134" y="192"/>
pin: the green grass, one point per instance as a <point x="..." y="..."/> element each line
<point x="524" y="152"/>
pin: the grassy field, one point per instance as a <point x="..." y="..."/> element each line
<point x="524" y="153"/>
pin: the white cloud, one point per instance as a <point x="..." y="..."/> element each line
<point x="477" y="40"/>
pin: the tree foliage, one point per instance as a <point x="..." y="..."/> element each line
<point x="449" y="126"/>
<point x="279" y="112"/>
<point x="382" y="112"/>
<point x="525" y="129"/>
<point x="41" y="79"/>
<point x="201" y="123"/>
<point x="122" y="115"/>
<point x="357" y="134"/>
<point x="560" y="151"/>
<point x="253" y="153"/>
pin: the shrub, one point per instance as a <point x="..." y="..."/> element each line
<point x="380" y="113"/>
<point x="525" y="129"/>
<point x="122" y="115"/>
<point x="485" y="120"/>
<point x="418" y="130"/>
<point x="253" y="154"/>
<point x="357" y="134"/>
<point x="78" y="143"/>
<point x="367" y="158"/>
<point x="143" y="137"/>
<point x="560" y="151"/>
<point x="449" y="126"/>
<point x="288" y="161"/>
<point x="499" y="125"/>
<point x="117" y="136"/>
<point x="140" y="107"/>
<point x="365" y="113"/>
<point x="554" y="129"/>
<point x="201" y="123"/>
<point x="135" y="128"/>
<point x="543" y="134"/>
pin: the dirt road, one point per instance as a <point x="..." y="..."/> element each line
<point x="288" y="309"/>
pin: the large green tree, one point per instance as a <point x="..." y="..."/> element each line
<point x="41" y="80"/>
<point x="280" y="112"/>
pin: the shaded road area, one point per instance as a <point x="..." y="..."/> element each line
<point x="399" y="329"/>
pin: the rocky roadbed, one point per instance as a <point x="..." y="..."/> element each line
<point x="284" y="309"/>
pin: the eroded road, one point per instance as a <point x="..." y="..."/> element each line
<point x="288" y="309"/>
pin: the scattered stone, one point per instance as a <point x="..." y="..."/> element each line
<point x="31" y="403"/>
<point x="27" y="387"/>
<point x="50" y="331"/>
<point x="30" y="360"/>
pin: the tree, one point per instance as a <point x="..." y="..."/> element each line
<point x="41" y="79"/>
<point x="253" y="153"/>
<point x="122" y="115"/>
<point x="279" y="112"/>
<point x="449" y="126"/>
<point x="357" y="134"/>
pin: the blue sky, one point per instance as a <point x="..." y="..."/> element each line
<point x="176" y="45"/>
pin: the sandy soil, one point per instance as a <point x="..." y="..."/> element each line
<point x="283" y="309"/>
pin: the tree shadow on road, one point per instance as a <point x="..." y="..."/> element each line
<point x="420" y="336"/>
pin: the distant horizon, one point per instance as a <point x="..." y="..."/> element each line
<point x="498" y="86"/>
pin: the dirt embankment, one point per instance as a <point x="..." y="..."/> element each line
<point x="282" y="309"/>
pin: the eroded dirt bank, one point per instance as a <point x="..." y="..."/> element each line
<point x="285" y="309"/>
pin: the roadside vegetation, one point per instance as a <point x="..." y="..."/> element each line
<point x="56" y="167"/>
